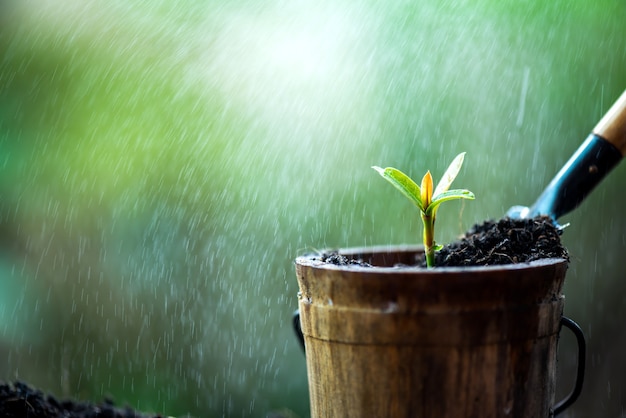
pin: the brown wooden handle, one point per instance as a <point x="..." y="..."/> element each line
<point x="612" y="126"/>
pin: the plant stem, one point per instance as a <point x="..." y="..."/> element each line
<point x="429" y="239"/>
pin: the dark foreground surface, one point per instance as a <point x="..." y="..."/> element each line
<point x="22" y="401"/>
<point x="19" y="400"/>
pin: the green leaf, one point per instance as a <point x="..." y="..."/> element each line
<point x="448" y="177"/>
<point x="449" y="195"/>
<point x="403" y="183"/>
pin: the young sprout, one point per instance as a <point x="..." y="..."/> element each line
<point x="426" y="199"/>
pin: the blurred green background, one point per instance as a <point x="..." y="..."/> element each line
<point x="162" y="163"/>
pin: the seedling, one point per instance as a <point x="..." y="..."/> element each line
<point x="426" y="199"/>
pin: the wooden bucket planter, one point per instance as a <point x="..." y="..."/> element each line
<point x="447" y="342"/>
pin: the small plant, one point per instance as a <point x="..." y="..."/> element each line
<point x="426" y="199"/>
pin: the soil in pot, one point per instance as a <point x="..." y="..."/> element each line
<point x="507" y="241"/>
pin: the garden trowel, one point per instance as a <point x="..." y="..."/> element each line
<point x="594" y="159"/>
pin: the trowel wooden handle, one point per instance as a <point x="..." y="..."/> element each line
<point x="612" y="127"/>
<point x="603" y="149"/>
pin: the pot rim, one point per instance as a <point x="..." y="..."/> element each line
<point x="313" y="260"/>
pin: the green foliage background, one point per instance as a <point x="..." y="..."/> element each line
<point x="162" y="163"/>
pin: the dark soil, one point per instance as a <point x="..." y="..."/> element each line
<point x="20" y="400"/>
<point x="506" y="241"/>
<point x="337" y="259"/>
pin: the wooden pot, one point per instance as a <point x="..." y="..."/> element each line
<point x="391" y="341"/>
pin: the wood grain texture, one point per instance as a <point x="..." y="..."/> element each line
<point x="385" y="342"/>
<point x="612" y="126"/>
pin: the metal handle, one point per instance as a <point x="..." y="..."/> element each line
<point x="580" y="373"/>
<point x="297" y="328"/>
